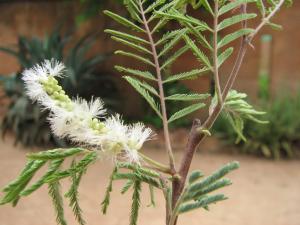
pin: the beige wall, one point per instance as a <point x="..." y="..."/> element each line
<point x="38" y="18"/>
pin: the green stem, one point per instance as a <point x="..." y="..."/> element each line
<point x="156" y="165"/>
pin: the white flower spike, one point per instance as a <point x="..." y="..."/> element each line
<point x="79" y="120"/>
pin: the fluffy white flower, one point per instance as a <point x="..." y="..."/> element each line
<point x="77" y="123"/>
<point x="79" y="120"/>
<point x="138" y="134"/>
<point x="125" y="141"/>
<point x="34" y="77"/>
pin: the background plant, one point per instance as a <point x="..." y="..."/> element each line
<point x="183" y="192"/>
<point x="25" y="119"/>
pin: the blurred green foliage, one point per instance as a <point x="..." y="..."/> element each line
<point x="25" y="119"/>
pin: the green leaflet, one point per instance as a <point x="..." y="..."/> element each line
<point x="132" y="45"/>
<point x="195" y="176"/>
<point x="172" y="43"/>
<point x="234" y="20"/>
<point x="137" y="176"/>
<point x="139" y="169"/>
<point x="275" y="26"/>
<point x="53" y="167"/>
<point x="193" y="74"/>
<point x="135" y="56"/>
<point x="133" y="9"/>
<point x="201" y="203"/>
<point x="200" y="38"/>
<point x="218" y="174"/>
<point x="152" y="200"/>
<point x="187" y="97"/>
<point x="196" y="192"/>
<point x="154" y="5"/>
<point x="237" y="109"/>
<point x="162" y="22"/>
<point x="197" y="52"/>
<point x="126" y="36"/>
<point x="169" y="35"/>
<point x="186" y="111"/>
<point x="174" y="14"/>
<point x="54" y="192"/>
<point x="173" y="57"/>
<point x="141" y="84"/>
<point x="207" y="6"/>
<point x="123" y="21"/>
<point x="14" y="183"/>
<point x="206" y="190"/>
<point x="127" y="186"/>
<point x="224" y="56"/>
<point x="14" y="188"/>
<point x="72" y="194"/>
<point x="145" y="94"/>
<point x="137" y="187"/>
<point x="55" y="154"/>
<point x="106" y="200"/>
<point x="80" y="166"/>
<point x="143" y="74"/>
<point x="261" y="7"/>
<point x="233" y="36"/>
<point x="232" y="5"/>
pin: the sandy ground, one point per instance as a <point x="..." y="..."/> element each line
<point x="264" y="193"/>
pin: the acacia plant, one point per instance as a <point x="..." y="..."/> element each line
<point x="96" y="136"/>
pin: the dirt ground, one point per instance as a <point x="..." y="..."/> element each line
<point x="264" y="193"/>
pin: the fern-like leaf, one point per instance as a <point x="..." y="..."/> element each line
<point x="53" y="167"/>
<point x="82" y="165"/>
<point x="54" y="192"/>
<point x="193" y="74"/>
<point x="106" y="200"/>
<point x="126" y="36"/>
<point x="127" y="186"/>
<point x="234" y="20"/>
<point x="224" y="56"/>
<point x="197" y="52"/>
<point x="174" y="57"/>
<point x="187" y="97"/>
<point x="232" y="5"/>
<point x="55" y="154"/>
<point x="172" y="43"/>
<point x="16" y="187"/>
<point x="135" y="202"/>
<point x="204" y="202"/>
<point x="144" y="93"/>
<point x="132" y="45"/>
<point x="169" y="35"/>
<point x="186" y="111"/>
<point x="143" y="74"/>
<point x="135" y="56"/>
<point x="233" y="36"/>
<point x="72" y="194"/>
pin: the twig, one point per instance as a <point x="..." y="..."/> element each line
<point x="156" y="165"/>
<point x="215" y="55"/>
